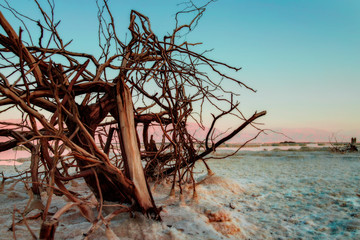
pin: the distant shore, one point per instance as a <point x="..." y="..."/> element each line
<point x="21" y="154"/>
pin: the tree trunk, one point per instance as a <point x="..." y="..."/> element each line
<point x="48" y="229"/>
<point x="130" y="150"/>
<point x="114" y="186"/>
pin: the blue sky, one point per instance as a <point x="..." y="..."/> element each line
<point x="302" y="56"/>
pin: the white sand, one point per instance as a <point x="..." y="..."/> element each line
<point x="182" y="218"/>
<point x="254" y="195"/>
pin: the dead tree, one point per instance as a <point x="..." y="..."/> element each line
<point x="84" y="112"/>
<point x="344" y="148"/>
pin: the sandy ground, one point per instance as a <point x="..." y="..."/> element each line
<point x="183" y="217"/>
<point x="253" y="195"/>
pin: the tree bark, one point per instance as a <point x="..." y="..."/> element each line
<point x="48" y="229"/>
<point x="130" y="150"/>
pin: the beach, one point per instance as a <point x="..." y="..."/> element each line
<point x="290" y="193"/>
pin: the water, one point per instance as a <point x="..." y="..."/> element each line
<point x="295" y="194"/>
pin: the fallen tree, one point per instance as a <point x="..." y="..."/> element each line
<point x="89" y="117"/>
<point x="344" y="148"/>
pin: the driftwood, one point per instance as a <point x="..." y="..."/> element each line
<point x="350" y="147"/>
<point x="95" y="105"/>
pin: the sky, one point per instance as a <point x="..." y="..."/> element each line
<point x="302" y="56"/>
